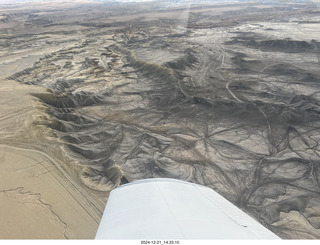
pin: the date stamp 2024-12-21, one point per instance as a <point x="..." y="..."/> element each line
<point x="160" y="242"/>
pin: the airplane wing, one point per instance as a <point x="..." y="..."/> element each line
<point x="174" y="209"/>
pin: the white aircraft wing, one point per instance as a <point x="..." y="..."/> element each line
<point x="174" y="209"/>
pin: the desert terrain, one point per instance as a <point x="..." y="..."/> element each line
<point x="95" y="94"/>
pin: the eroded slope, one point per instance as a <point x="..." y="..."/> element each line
<point x="231" y="104"/>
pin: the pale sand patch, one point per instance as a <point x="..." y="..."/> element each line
<point x="17" y="204"/>
<point x="37" y="201"/>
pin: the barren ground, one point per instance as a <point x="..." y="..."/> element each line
<point x="94" y="95"/>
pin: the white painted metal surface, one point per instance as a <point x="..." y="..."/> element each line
<point x="173" y="209"/>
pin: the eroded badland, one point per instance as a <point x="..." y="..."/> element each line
<point x="96" y="94"/>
